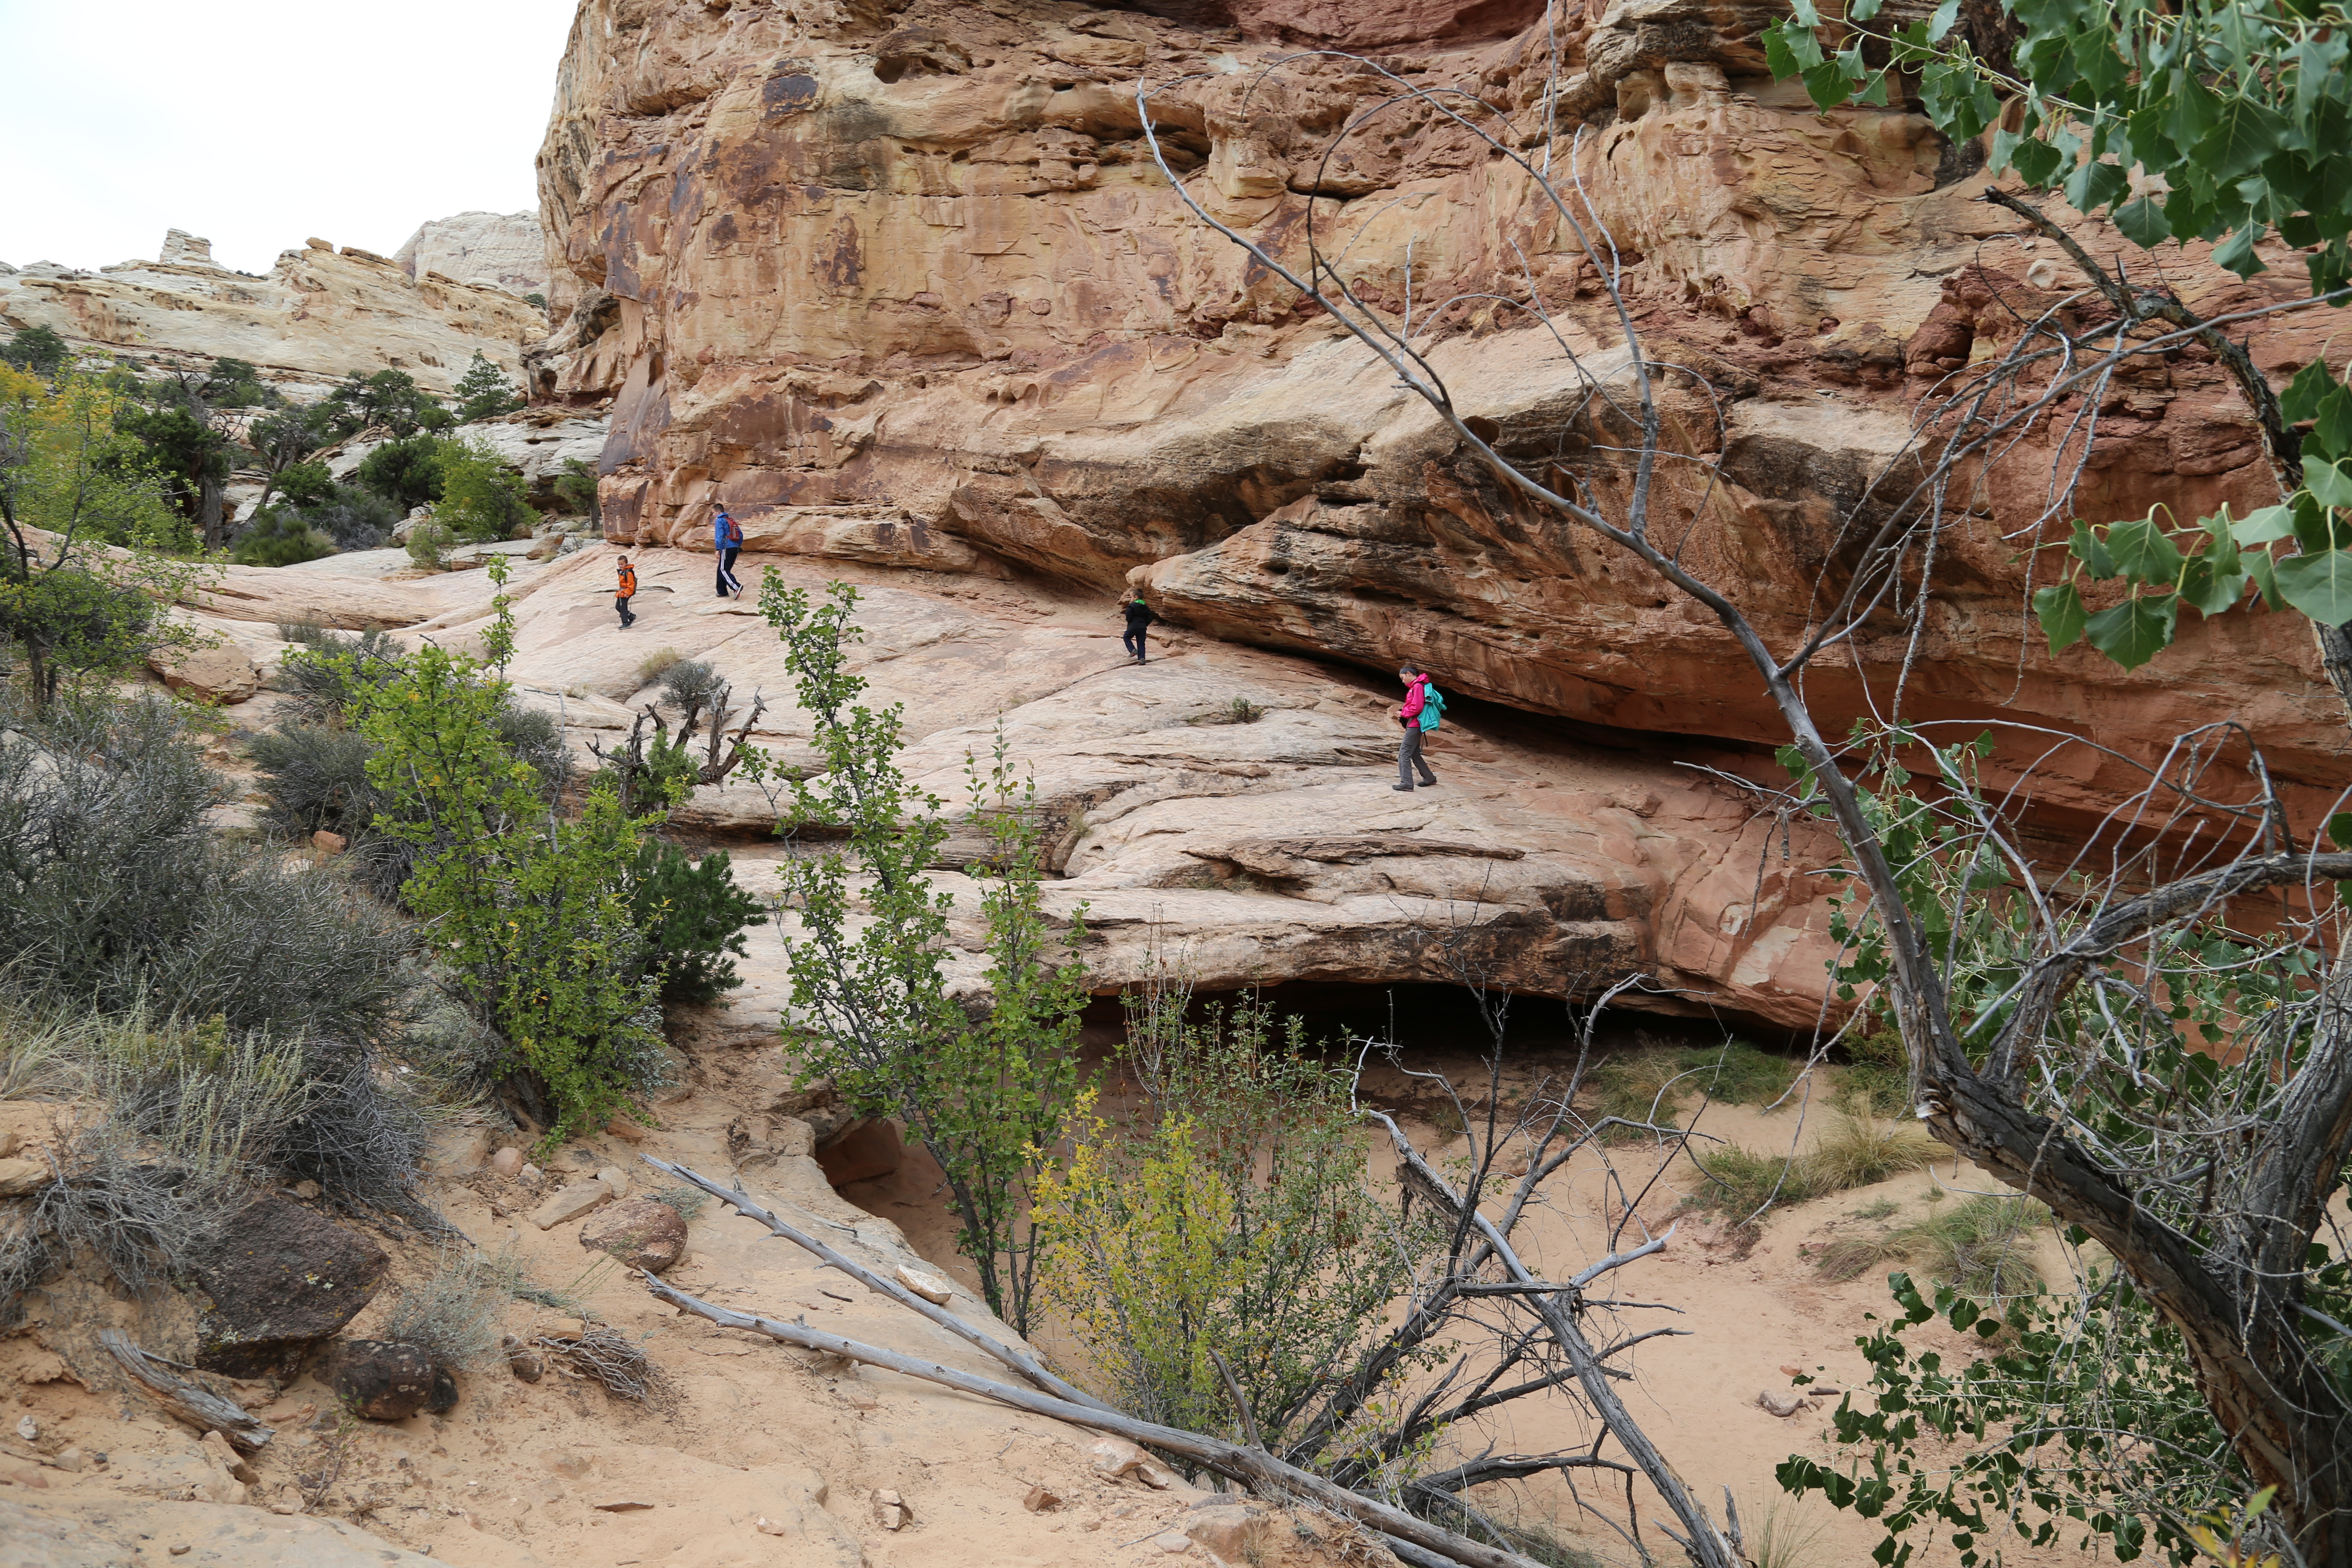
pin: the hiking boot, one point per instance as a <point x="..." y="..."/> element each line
<point x="1407" y="788"/>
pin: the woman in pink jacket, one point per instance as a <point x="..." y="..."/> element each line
<point x="1416" y="715"/>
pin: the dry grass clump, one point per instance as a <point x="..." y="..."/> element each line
<point x="656" y="664"/>
<point x="1849" y="1152"/>
<point x="1855" y="1150"/>
<point x="454" y="1311"/>
<point x="687" y="1201"/>
<point x="1982" y="1247"/>
<point x="1653" y="1084"/>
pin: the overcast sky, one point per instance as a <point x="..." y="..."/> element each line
<point x="259" y="123"/>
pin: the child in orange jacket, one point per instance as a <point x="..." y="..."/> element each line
<point x="626" y="591"/>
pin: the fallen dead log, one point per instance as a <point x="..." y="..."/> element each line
<point x="195" y="1405"/>
<point x="1261" y="1471"/>
<point x="1019" y="1360"/>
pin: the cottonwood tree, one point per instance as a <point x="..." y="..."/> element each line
<point x="71" y="600"/>
<point x="867" y="932"/>
<point x="2203" y="1165"/>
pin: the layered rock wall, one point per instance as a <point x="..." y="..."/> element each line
<point x="321" y="314"/>
<point x="914" y="262"/>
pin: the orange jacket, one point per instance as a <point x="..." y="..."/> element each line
<point x="628" y="589"/>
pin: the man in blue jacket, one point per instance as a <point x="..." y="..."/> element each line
<point x="727" y="539"/>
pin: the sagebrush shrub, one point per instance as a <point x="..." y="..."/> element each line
<point x="116" y="901"/>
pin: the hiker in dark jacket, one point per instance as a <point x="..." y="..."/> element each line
<point x="1139" y="616"/>
<point x="1416" y="715"/>
<point x="727" y="539"/>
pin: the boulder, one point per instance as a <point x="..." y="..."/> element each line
<point x="18" y="1177"/>
<point x="861" y="1151"/>
<point x="223" y="674"/>
<point x="280" y="1278"/>
<point x="387" y="1381"/>
<point x="639" y="1232"/>
<point x="1231" y="1531"/>
<point x="926" y="1284"/>
<point x="571" y="1203"/>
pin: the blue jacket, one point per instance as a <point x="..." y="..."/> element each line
<point x="726" y="533"/>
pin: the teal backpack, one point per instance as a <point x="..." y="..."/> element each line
<point x="1432" y="707"/>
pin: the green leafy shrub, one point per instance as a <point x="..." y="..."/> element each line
<point x="985" y="1096"/>
<point x="279" y="537"/>
<point x="482" y="498"/>
<point x="525" y="906"/>
<point x="2076" y="1401"/>
<point x="429" y="543"/>
<point x="1231" y="1212"/>
<point x="692" y="917"/>
<point x="406" y="472"/>
<point x="575" y="490"/>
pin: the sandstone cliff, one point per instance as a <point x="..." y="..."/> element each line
<point x="914" y="259"/>
<point x="319" y="314"/>
<point x="499" y="250"/>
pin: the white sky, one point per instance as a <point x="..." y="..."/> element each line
<point x="259" y="123"/>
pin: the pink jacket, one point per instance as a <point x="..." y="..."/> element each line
<point x="1413" y="700"/>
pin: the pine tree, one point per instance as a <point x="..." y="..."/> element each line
<point x="484" y="391"/>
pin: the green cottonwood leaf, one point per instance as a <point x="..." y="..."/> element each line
<point x="2264" y="573"/>
<point x="2329" y="485"/>
<point x="2319" y="586"/>
<point x="1826" y="84"/>
<point x="2307" y="393"/>
<point x="1861" y="10"/>
<point x="2213" y="585"/>
<point x="2035" y="162"/>
<point x="2262" y="527"/>
<point x="2142" y="553"/>
<point x="2339" y="828"/>
<point x="2094" y="185"/>
<point x="2236" y="253"/>
<point x="2144" y="222"/>
<point x="1947" y="17"/>
<point x="2136" y="630"/>
<point x="2061" y="610"/>
<point x="2244" y="133"/>
<point x="2098" y="564"/>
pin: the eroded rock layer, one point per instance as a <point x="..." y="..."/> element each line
<point x="319" y="314"/>
<point x="906" y="278"/>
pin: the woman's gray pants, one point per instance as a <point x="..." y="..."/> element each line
<point x="1408" y="758"/>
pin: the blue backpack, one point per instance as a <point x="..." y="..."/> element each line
<point x="1432" y="707"/>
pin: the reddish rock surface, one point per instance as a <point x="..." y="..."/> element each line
<point x="901" y="285"/>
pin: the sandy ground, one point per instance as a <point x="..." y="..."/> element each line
<point x="1745" y="1312"/>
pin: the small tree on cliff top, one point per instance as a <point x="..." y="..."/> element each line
<point x="2104" y="1113"/>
